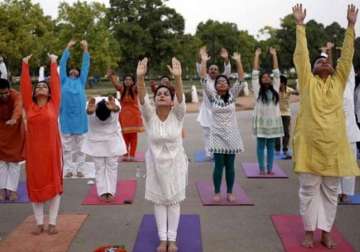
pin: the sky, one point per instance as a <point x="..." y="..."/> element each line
<point x="251" y="15"/>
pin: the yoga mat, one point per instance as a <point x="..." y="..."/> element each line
<point x="353" y="200"/>
<point x="291" y="232"/>
<point x="280" y="155"/>
<point x="200" y="156"/>
<point x="125" y="194"/>
<point x="139" y="157"/>
<point x="206" y="193"/>
<point x="188" y="237"/>
<point x="22" y="194"/>
<point x="252" y="171"/>
<point x="21" y="239"/>
<point x="89" y="172"/>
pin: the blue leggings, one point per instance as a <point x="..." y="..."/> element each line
<point x="269" y="143"/>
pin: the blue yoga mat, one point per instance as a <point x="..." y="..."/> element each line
<point x="188" y="238"/>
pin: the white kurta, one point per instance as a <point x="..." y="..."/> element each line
<point x="104" y="138"/>
<point x="225" y="135"/>
<point x="204" y="117"/>
<point x="3" y="71"/>
<point x="266" y="121"/>
<point x="165" y="160"/>
<point x="347" y="184"/>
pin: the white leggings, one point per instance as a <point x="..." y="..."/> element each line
<point x="38" y="208"/>
<point x="9" y="175"/>
<point x="167" y="221"/>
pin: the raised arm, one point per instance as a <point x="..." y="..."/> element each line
<point x="25" y="83"/>
<point x="176" y="71"/>
<point x="224" y="54"/>
<point x="204" y="59"/>
<point x="347" y="53"/>
<point x="85" y="65"/>
<point x="238" y="86"/>
<point x="64" y="59"/>
<point x="256" y="63"/>
<point x="140" y="76"/>
<point x="276" y="71"/>
<point x="114" y="80"/>
<point x="301" y="54"/>
<point x="54" y="82"/>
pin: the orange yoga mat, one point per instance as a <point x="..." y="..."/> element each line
<point x="21" y="239"/>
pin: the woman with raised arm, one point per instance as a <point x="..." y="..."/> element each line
<point x="225" y="138"/>
<point x="43" y="156"/>
<point x="130" y="115"/>
<point x="165" y="159"/>
<point x="322" y="153"/>
<point x="266" y="123"/>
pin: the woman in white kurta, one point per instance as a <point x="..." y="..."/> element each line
<point x="165" y="159"/>
<point x="266" y="123"/>
<point x="104" y="143"/>
<point x="347" y="184"/>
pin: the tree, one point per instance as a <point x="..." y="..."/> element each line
<point x="25" y="30"/>
<point x="87" y="21"/>
<point x="145" y="28"/>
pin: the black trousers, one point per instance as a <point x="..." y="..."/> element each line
<point x="286" y="138"/>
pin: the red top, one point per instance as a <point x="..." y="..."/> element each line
<point x="12" y="136"/>
<point x="43" y="146"/>
<point x="130" y="115"/>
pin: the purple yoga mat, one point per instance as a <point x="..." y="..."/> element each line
<point x="206" y="193"/>
<point x="252" y="171"/>
<point x="22" y="194"/>
<point x="188" y="237"/>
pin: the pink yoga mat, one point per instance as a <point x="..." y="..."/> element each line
<point x="252" y="171"/>
<point x="139" y="157"/>
<point x="291" y="231"/>
<point x="206" y="193"/>
<point x="125" y="194"/>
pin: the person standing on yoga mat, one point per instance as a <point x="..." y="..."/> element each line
<point x="44" y="165"/>
<point x="73" y="120"/>
<point x="285" y="93"/>
<point x="12" y="138"/>
<point x="225" y="138"/>
<point x="130" y="115"/>
<point x="204" y="117"/>
<point x="104" y="143"/>
<point x="266" y="122"/>
<point x="165" y="160"/>
<point x="322" y="153"/>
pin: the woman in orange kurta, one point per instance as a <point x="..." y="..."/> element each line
<point x="43" y="146"/>
<point x="130" y="115"/>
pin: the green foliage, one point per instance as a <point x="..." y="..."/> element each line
<point x="87" y="21"/>
<point x="24" y="30"/>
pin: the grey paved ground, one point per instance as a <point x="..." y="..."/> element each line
<point x="244" y="228"/>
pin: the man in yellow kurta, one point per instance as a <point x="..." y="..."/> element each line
<point x="322" y="153"/>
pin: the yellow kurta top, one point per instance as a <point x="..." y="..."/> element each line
<point x="320" y="142"/>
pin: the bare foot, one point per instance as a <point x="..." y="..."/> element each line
<point x="79" y="174"/>
<point x="327" y="241"/>
<point x="172" y="246"/>
<point x="262" y="173"/>
<point x="2" y="194"/>
<point x="13" y="196"/>
<point x="52" y="230"/>
<point x="217" y="197"/>
<point x="68" y="175"/>
<point x="308" y="241"/>
<point x="103" y="196"/>
<point x="38" y="230"/>
<point x="162" y="247"/>
<point x="270" y="173"/>
<point x="230" y="197"/>
<point x="109" y="197"/>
